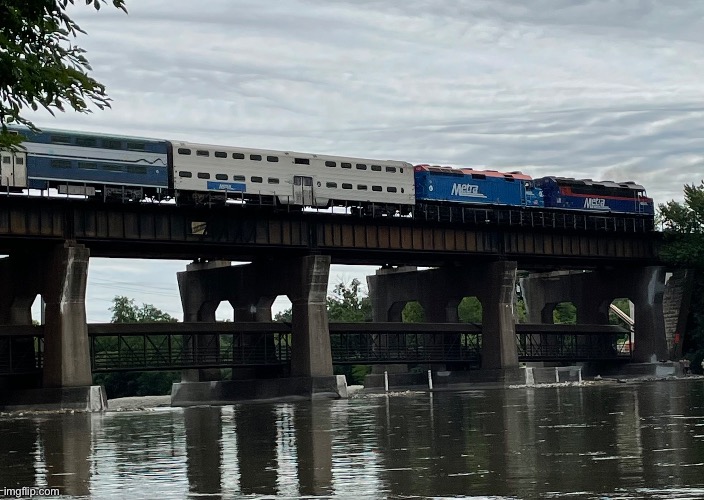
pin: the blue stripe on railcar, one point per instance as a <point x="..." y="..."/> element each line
<point x="95" y="141"/>
<point x="41" y="170"/>
<point x="600" y="204"/>
<point x="458" y="187"/>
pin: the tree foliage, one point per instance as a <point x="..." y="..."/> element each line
<point x="284" y="316"/>
<point x="125" y="310"/>
<point x="565" y="313"/>
<point x="684" y="247"/>
<point x="413" y="313"/>
<point x="684" y="228"/>
<point x="121" y="384"/>
<point x="40" y="65"/>
<point x="469" y="310"/>
<point x="347" y="304"/>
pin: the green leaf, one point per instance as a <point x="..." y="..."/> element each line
<point x="40" y="65"/>
<point x="684" y="228"/>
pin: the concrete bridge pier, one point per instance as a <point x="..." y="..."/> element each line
<point x="592" y="292"/>
<point x="499" y="349"/>
<point x="440" y="290"/>
<point x="310" y="353"/>
<point x="591" y="308"/>
<point x="258" y="310"/>
<point x="200" y="298"/>
<point x="59" y="274"/>
<point x="20" y="282"/>
<point x="650" y="341"/>
<point x="383" y="311"/>
<point x="251" y="289"/>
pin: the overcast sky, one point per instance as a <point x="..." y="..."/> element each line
<point x="598" y="89"/>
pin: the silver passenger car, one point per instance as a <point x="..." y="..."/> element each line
<point x="298" y="179"/>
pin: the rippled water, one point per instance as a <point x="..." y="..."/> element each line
<point x="622" y="441"/>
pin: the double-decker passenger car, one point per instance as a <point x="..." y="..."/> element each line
<point x="475" y="187"/>
<point x="595" y="196"/>
<point x="88" y="164"/>
<point x="206" y="172"/>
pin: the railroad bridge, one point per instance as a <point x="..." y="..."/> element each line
<point x="49" y="242"/>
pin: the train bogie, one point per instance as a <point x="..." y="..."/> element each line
<point x="288" y="178"/>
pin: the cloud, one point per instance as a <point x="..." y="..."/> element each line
<point x="592" y="88"/>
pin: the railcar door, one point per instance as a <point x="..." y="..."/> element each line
<point x="302" y="190"/>
<point x="13" y="169"/>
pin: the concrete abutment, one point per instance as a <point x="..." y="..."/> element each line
<point x="59" y="274"/>
<point x="593" y="291"/>
<point x="251" y="289"/>
<point x="440" y="290"/>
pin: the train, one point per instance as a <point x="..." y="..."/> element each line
<point x="134" y="169"/>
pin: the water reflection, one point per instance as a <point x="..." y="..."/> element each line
<point x="19" y="447"/>
<point x="257" y="439"/>
<point x="314" y="449"/>
<point x="631" y="441"/>
<point x="65" y="449"/>
<point x="203" y="449"/>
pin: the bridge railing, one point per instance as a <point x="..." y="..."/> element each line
<point x="174" y="346"/>
<point x="21" y="349"/>
<point x="572" y="342"/>
<point x="387" y="343"/>
<point x="411" y="347"/>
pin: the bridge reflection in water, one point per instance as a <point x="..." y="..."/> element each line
<point x="597" y="441"/>
<point x="173" y="346"/>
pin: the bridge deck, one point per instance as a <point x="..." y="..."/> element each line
<point x="145" y="230"/>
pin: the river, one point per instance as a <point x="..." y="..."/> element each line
<point x="602" y="441"/>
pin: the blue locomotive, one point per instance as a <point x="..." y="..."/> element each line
<point x="475" y="187"/>
<point x="595" y="196"/>
<point x="469" y="187"/>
